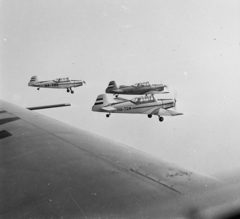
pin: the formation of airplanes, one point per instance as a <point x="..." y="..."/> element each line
<point x="147" y="104"/>
<point x="59" y="83"/>
<point x="139" y="105"/>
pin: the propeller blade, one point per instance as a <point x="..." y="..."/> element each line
<point x="175" y="99"/>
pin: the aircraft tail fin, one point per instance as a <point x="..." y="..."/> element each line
<point x="33" y="80"/>
<point x="100" y="102"/>
<point x="111" y="86"/>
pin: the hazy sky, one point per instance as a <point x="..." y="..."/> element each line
<point x="193" y="46"/>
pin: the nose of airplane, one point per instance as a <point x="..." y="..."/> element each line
<point x="160" y="87"/>
<point x="79" y="82"/>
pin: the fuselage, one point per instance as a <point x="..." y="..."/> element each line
<point x="130" y="90"/>
<point x="139" y="107"/>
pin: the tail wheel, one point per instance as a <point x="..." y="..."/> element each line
<point x="149" y="115"/>
<point x="161" y="119"/>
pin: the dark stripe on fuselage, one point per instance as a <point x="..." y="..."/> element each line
<point x="153" y="106"/>
<point x="99" y="99"/>
<point x="146" y="106"/>
<point x="3" y="111"/>
<point x="66" y="83"/>
<point x="44" y="81"/>
<point x="4" y="134"/>
<point x="98" y="103"/>
<point x="59" y="84"/>
<point x="3" y="121"/>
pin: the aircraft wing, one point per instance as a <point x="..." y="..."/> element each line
<point x="165" y="112"/>
<point x="52" y="170"/>
<point x="156" y="92"/>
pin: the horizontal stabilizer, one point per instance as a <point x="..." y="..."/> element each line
<point x="118" y="90"/>
<point x="109" y="108"/>
<point x="123" y="86"/>
<point x="120" y="99"/>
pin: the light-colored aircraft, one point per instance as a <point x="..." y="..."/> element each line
<point x="59" y="83"/>
<point x="49" y="169"/>
<point x="144" y="88"/>
<point x="138" y="105"/>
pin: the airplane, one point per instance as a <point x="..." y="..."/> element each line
<point x="49" y="169"/>
<point x="60" y="83"/>
<point x="139" y="105"/>
<point x="136" y="89"/>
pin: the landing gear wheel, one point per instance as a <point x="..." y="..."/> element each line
<point x="68" y="90"/>
<point x="72" y="91"/>
<point x="107" y="115"/>
<point x="161" y="119"/>
<point x="149" y="115"/>
<point x="38" y="88"/>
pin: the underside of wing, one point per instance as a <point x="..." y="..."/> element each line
<point x="52" y="170"/>
<point x="165" y="112"/>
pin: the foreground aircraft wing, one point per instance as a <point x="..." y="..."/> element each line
<point x="49" y="169"/>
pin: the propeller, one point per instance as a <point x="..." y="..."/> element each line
<point x="175" y="99"/>
<point x="164" y="85"/>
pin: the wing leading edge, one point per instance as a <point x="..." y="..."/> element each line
<point x="52" y="170"/>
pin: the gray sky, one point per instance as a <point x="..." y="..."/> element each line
<point x="193" y="46"/>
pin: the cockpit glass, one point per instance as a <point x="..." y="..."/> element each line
<point x="144" y="99"/>
<point x="62" y="79"/>
<point x="135" y="85"/>
<point x="142" y="84"/>
<point x="134" y="100"/>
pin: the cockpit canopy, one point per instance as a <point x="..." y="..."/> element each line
<point x="143" y="99"/>
<point x="62" y="79"/>
<point x="142" y="84"/>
